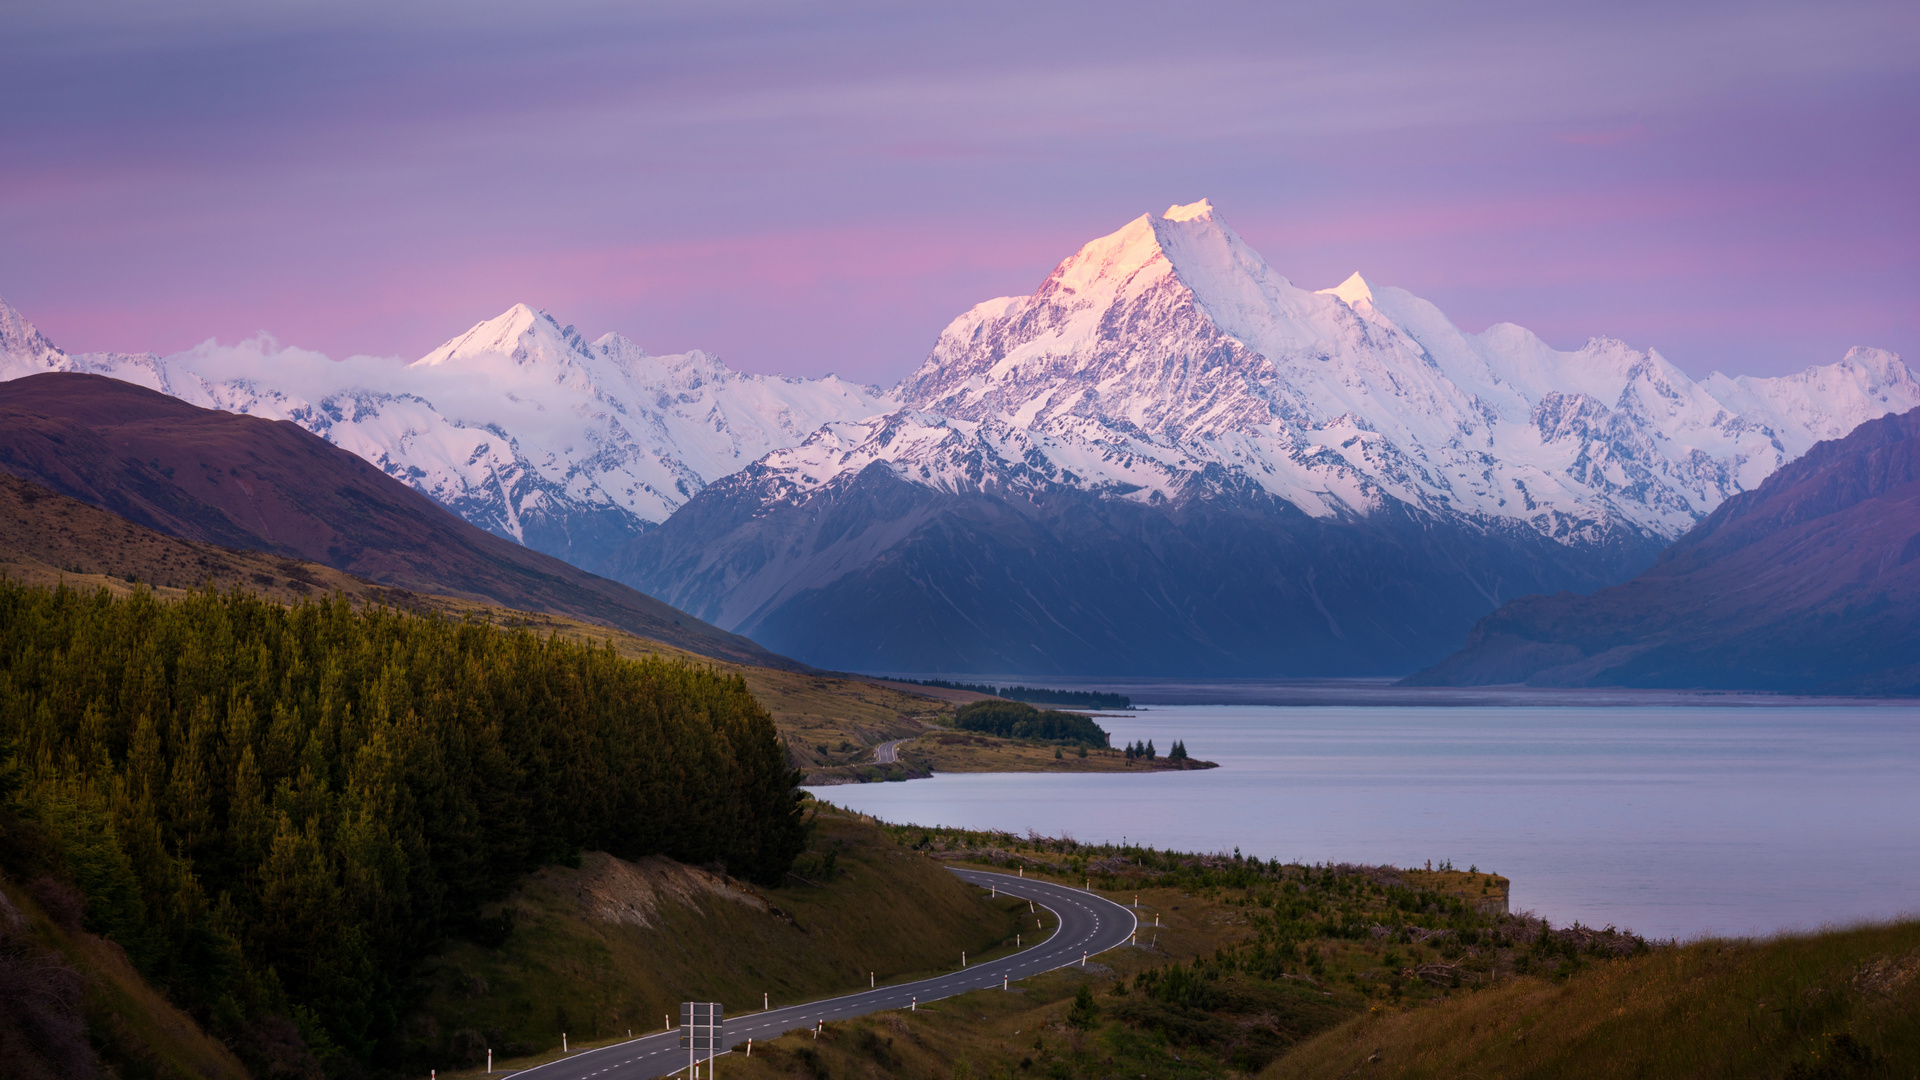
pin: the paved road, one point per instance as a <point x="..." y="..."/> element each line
<point x="1088" y="925"/>
<point x="888" y="752"/>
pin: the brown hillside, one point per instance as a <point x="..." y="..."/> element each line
<point x="271" y="486"/>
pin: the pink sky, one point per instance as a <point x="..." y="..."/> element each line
<point x="1731" y="185"/>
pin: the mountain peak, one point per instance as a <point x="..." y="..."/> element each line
<point x="20" y="338"/>
<point x="1353" y="290"/>
<point x="1884" y="366"/>
<point x="522" y="333"/>
<point x="1195" y="211"/>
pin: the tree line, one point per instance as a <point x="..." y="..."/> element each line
<point x="279" y="811"/>
<point x="1016" y="720"/>
<point x="1137" y="750"/>
<point x="1035" y="695"/>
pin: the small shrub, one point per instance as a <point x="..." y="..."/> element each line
<point x="1084" y="1014"/>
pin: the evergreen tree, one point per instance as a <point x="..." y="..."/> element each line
<point x="1084" y="1013"/>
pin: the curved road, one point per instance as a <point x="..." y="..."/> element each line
<point x="888" y="752"/>
<point x="1089" y="925"/>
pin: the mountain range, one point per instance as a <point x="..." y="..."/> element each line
<point x="520" y="425"/>
<point x="1808" y="584"/>
<point x="1171" y="460"/>
<point x="1168" y="459"/>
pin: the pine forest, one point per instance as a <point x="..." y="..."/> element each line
<point x="280" y="811"/>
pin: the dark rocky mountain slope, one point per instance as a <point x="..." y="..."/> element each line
<point x="875" y="573"/>
<point x="270" y="485"/>
<point x="1810" y="583"/>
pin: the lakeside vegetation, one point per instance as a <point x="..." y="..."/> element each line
<point x="1034" y="695"/>
<point x="1018" y="720"/>
<point x="278" y="812"/>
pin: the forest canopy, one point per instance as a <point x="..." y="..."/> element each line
<point x="283" y="810"/>
<point x="1017" y="720"/>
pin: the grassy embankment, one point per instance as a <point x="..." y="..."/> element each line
<point x="1236" y="961"/>
<point x="608" y="947"/>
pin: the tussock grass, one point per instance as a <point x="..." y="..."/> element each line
<point x="1843" y="1003"/>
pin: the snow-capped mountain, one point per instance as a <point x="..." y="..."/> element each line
<point x="519" y="425"/>
<point x="1171" y="347"/>
<point x="1168" y="365"/>
<point x="1169" y="457"/>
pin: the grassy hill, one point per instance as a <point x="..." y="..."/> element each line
<point x="612" y="946"/>
<point x="1833" y="1005"/>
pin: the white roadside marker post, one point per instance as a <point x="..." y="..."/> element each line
<point x="1003" y="981"/>
<point x="489" y="1061"/>
<point x="963" y="959"/>
<point x="914" y="1006"/>
<point x="749" y="1047"/>
<point x="563" y="1042"/>
<point x="1083" y="959"/>
<point x="765" y="1000"/>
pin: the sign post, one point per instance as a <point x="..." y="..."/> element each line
<point x="700" y="1024"/>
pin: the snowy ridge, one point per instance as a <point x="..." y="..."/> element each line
<point x="1165" y="358"/>
<point x="1168" y="351"/>
<point x="519" y="425"/>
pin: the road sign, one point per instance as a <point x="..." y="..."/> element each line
<point x="700" y="1023"/>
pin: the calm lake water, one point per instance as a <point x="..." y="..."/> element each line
<point x="1671" y="820"/>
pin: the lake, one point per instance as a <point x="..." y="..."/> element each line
<point x="1670" y="816"/>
